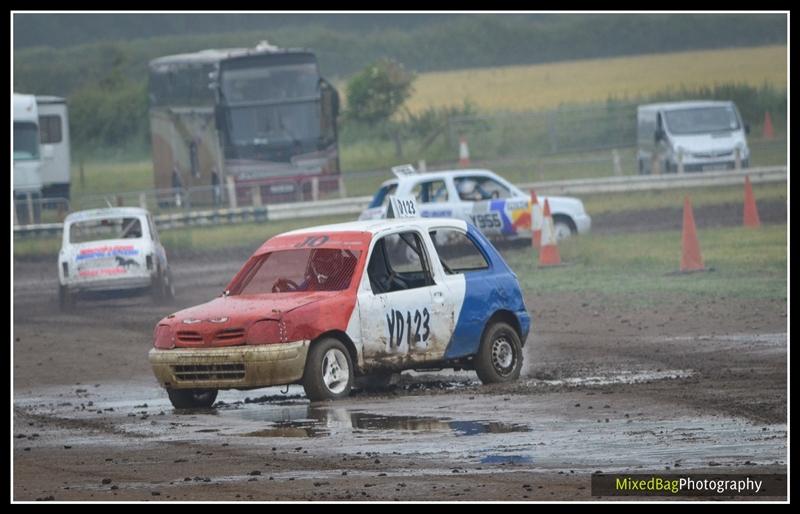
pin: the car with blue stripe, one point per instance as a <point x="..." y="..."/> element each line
<point x="324" y="305"/>
<point x="497" y="207"/>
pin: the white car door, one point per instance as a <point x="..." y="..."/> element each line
<point x="405" y="316"/>
<point x="435" y="199"/>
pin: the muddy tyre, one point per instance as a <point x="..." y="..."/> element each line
<point x="375" y="381"/>
<point x="66" y="299"/>
<point x="162" y="290"/>
<point x="499" y="357"/>
<point x="329" y="371"/>
<point x="192" y="398"/>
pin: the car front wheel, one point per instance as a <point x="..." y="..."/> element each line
<point x="329" y="371"/>
<point x="562" y="229"/>
<point x="499" y="358"/>
<point x="192" y="398"/>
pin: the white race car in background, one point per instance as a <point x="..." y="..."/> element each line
<point x="111" y="250"/>
<point x="491" y="203"/>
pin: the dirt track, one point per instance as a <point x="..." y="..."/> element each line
<point x="607" y="385"/>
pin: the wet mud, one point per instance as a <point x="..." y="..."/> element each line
<point x="607" y="385"/>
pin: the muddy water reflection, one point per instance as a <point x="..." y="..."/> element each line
<point x="308" y="421"/>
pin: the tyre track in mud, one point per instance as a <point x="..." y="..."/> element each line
<point x="671" y="218"/>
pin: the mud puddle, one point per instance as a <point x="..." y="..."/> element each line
<point x="320" y="423"/>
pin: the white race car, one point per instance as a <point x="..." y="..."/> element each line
<point x="491" y="203"/>
<point x="111" y="250"/>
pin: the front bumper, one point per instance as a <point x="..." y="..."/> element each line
<point x="583" y="223"/>
<point x="233" y="367"/>
<point x="712" y="165"/>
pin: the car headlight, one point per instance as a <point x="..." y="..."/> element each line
<point x="163" y="337"/>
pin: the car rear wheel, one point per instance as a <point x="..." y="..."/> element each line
<point x="192" y="398"/>
<point x="329" y="371"/>
<point x="66" y="299"/>
<point x="162" y="289"/>
<point x="499" y="357"/>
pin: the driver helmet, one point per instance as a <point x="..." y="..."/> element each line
<point x="466" y="188"/>
<point x="325" y="263"/>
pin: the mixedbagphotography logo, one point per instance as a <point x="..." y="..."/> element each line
<point x="695" y="484"/>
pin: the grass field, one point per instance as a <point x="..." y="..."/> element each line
<point x="517" y="89"/>
<point x="546" y="86"/>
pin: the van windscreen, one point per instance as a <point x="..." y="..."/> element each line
<point x="702" y="120"/>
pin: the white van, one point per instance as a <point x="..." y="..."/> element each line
<point x="703" y="135"/>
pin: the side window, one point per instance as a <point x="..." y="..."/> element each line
<point x="476" y="189"/>
<point x="50" y="129"/>
<point x="457" y="252"/>
<point x="398" y="263"/>
<point x="434" y="191"/>
<point x="494" y="189"/>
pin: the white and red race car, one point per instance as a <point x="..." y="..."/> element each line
<point x="111" y="249"/>
<point x="323" y="305"/>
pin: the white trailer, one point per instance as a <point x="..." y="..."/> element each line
<point x="27" y="158"/>
<point x="54" y="139"/>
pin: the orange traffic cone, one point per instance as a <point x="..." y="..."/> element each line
<point x="536" y="221"/>
<point x="548" y="253"/>
<point x="751" y="218"/>
<point x="463" y="153"/>
<point x="691" y="260"/>
<point x="769" y="132"/>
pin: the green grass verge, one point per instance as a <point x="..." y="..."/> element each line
<point x="746" y="262"/>
<point x="106" y="177"/>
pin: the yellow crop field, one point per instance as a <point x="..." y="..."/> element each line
<point x="543" y="86"/>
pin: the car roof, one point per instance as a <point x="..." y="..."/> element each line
<point x="442" y="174"/>
<point x="690" y="104"/>
<point x="111" y="212"/>
<point x="378" y="226"/>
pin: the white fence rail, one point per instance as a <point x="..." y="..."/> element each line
<point x="623" y="184"/>
<point x="355" y="205"/>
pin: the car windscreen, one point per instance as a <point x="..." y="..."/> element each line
<point x="306" y="269"/>
<point x="381" y="198"/>
<point x="105" y="228"/>
<point x="702" y="120"/>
